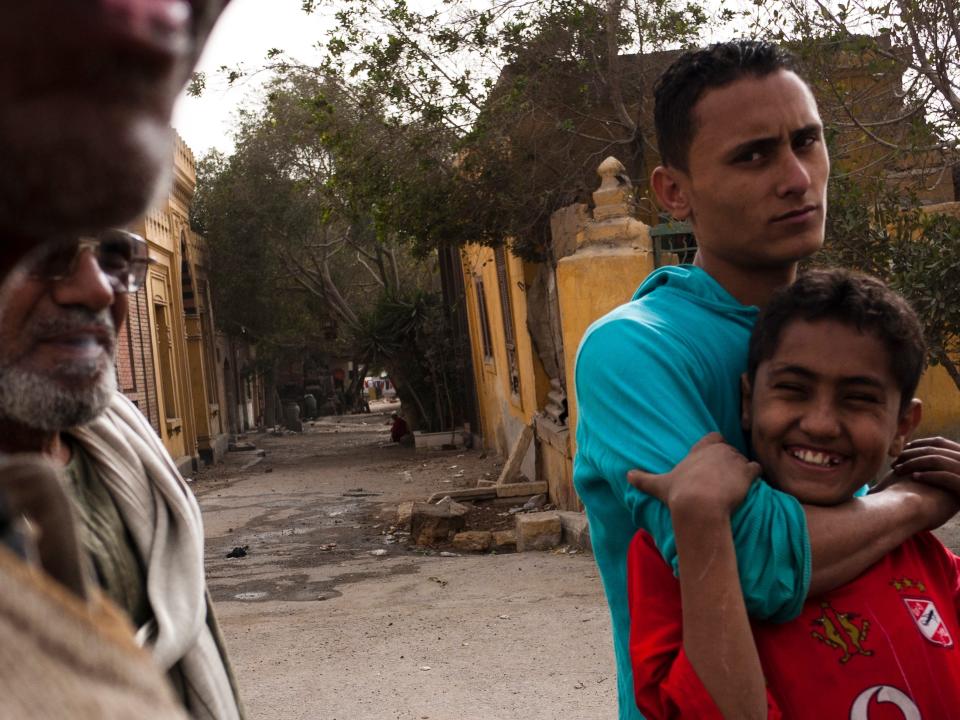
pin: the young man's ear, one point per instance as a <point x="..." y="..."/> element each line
<point x="746" y="400"/>
<point x="909" y="419"/>
<point x="667" y="184"/>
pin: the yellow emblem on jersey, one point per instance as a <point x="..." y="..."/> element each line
<point x="842" y="631"/>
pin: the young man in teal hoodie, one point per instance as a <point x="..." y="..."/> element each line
<point x="744" y="161"/>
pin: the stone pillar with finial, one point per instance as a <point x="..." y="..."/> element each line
<point x="614" y="254"/>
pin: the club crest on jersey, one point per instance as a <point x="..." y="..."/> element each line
<point x="928" y="620"/>
<point x="842" y="631"/>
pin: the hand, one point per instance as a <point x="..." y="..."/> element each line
<point x="713" y="478"/>
<point x="934" y="461"/>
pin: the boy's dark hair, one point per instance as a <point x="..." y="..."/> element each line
<point x="854" y="299"/>
<point x="683" y="84"/>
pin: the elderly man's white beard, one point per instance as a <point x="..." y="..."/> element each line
<point x="38" y="402"/>
<point x="74" y="393"/>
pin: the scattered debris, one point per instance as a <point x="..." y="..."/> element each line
<point x="326" y="547"/>
<point x="449" y="554"/>
<point x="238" y="552"/>
<point x="241" y="447"/>
<point x="424" y="667"/>
<point x="441" y="583"/>
<point x="378" y="553"/>
<point x="535" y="503"/>
<point x="404" y="513"/>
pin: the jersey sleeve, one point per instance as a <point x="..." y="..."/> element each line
<point x="641" y="403"/>
<point x="665" y="683"/>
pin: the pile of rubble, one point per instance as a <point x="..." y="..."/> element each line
<point x="536" y="527"/>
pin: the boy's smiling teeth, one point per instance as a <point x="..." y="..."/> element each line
<point x="815" y="457"/>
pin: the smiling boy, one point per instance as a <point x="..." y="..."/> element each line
<point x="743" y="160"/>
<point x="834" y="361"/>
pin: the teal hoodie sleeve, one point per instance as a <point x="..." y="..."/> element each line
<point x="643" y="400"/>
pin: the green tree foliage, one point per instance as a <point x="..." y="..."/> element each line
<point x="409" y="334"/>
<point x="892" y="69"/>
<point x="313" y="248"/>
<point x="528" y="98"/>
<point x="869" y="228"/>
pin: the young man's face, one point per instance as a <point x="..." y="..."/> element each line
<point x="824" y="412"/>
<point x="755" y="189"/>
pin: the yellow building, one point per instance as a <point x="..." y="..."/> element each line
<point x="510" y="381"/>
<point x="170" y="345"/>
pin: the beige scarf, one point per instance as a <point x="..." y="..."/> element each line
<point x="63" y="657"/>
<point x="164" y="520"/>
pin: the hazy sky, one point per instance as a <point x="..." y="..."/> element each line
<point x="247" y="29"/>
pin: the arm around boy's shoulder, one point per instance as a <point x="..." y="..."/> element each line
<point x="639" y="406"/>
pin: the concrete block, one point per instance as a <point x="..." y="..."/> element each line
<point x="504" y="541"/>
<point x="538" y="531"/>
<point x="430" y="524"/>
<point x="473" y="540"/>
<point x="576" y="531"/>
<point x="521" y="488"/>
<point x="438" y="440"/>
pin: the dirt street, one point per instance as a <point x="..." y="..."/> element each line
<point x="321" y="629"/>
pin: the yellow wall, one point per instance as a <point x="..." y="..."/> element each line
<point x="186" y="395"/>
<point x="940" y="396"/>
<point x="941" y="404"/>
<point x="590" y="284"/>
<point x="503" y="414"/>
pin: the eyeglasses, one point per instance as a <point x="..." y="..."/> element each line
<point x="122" y="256"/>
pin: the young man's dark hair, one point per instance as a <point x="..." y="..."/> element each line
<point x="854" y="299"/>
<point x="681" y="86"/>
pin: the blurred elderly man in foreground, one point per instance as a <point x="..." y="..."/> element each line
<point x="86" y="92"/>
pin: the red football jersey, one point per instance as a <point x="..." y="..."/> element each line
<point x="883" y="647"/>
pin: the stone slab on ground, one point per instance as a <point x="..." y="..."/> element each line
<point x="504" y="540"/>
<point x="431" y="524"/>
<point x="538" y="531"/>
<point x="521" y="488"/>
<point x="466" y="494"/>
<point x="576" y="530"/>
<point x="473" y="540"/>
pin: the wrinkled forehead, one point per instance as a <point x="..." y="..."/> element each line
<point x="753" y="107"/>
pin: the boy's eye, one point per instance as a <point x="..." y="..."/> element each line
<point x="790" y="388"/>
<point x="863" y="398"/>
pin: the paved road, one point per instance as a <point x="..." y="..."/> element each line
<point x="328" y="631"/>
